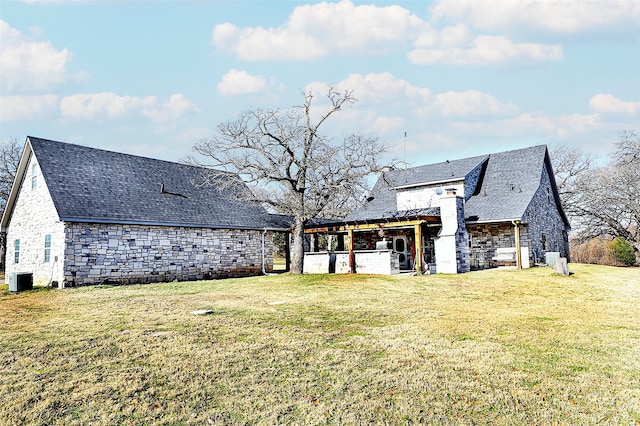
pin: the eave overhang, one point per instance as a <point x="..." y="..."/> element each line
<point x="364" y="225"/>
<point x="169" y="224"/>
<point x="435" y="182"/>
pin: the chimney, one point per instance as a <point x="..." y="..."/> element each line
<point x="451" y="244"/>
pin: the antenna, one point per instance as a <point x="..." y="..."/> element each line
<point x="404" y="149"/>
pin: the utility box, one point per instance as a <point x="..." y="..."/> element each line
<point x="550" y="258"/>
<point x="20" y="281"/>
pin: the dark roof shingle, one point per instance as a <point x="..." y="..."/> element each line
<point x="88" y="184"/>
<point x="508" y="185"/>
<point x="510" y="182"/>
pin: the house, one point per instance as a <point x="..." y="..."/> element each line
<point x="78" y="215"/>
<point x="454" y="216"/>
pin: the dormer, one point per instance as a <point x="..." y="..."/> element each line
<point x="420" y="190"/>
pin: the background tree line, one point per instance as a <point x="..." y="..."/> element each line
<point x="602" y="201"/>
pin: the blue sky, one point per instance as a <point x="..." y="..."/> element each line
<point x="461" y="78"/>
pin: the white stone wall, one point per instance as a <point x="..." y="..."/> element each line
<point x="452" y="242"/>
<point x="316" y="263"/>
<point x="34" y="216"/>
<point x="383" y="262"/>
<point x="126" y="254"/>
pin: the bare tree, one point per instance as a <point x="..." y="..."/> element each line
<point x="290" y="166"/>
<point x="10" y="153"/>
<point x="603" y="201"/>
<point x="570" y="166"/>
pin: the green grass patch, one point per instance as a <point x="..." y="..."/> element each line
<point x="490" y="347"/>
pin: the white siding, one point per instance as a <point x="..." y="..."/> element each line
<point x="423" y="197"/>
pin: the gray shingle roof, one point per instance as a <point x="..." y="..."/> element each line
<point x="89" y="184"/>
<point x="438" y="172"/>
<point x="507" y="186"/>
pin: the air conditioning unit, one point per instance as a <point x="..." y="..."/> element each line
<point x="20" y="281"/>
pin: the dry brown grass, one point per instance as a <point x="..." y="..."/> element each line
<point x="493" y="347"/>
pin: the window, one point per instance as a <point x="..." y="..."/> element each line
<point x="17" y="251"/>
<point x="47" y="248"/>
<point x="34" y="176"/>
<point x="544" y="241"/>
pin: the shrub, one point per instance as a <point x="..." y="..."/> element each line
<point x="623" y="251"/>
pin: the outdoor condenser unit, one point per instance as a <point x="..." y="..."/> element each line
<point x="20" y="281"/>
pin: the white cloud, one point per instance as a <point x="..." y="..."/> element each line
<point x="107" y="105"/>
<point x="384" y="89"/>
<point x="483" y="50"/>
<point x="318" y="30"/>
<point x="383" y="124"/>
<point x="101" y="105"/>
<point x="555" y="16"/>
<point x="610" y="104"/>
<point x="471" y="103"/>
<point x="30" y="66"/>
<point x="177" y="106"/>
<point x="314" y="31"/>
<point x="20" y="107"/>
<point x="375" y="88"/>
<point x="236" y="82"/>
<point x="380" y="93"/>
<point x="528" y="125"/>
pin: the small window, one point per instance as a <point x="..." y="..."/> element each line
<point x="47" y="248"/>
<point x="34" y="176"/>
<point x="544" y="241"/>
<point x="17" y="251"/>
<point x="548" y="196"/>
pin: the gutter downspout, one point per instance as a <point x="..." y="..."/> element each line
<point x="264" y="233"/>
<point x="518" y="248"/>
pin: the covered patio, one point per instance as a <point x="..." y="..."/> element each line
<point x="384" y="246"/>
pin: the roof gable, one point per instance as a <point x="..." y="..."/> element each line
<point x="94" y="185"/>
<point x="509" y="184"/>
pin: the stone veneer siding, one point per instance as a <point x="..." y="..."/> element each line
<point x="471" y="180"/>
<point x="485" y="238"/>
<point x="542" y="217"/>
<point x="462" y="240"/>
<point x="127" y="254"/>
<point x="34" y="216"/>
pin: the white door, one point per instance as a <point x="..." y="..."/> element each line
<point x="400" y="246"/>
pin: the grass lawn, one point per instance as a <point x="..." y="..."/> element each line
<point x="490" y="347"/>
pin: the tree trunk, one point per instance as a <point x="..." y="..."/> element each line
<point x="297" y="253"/>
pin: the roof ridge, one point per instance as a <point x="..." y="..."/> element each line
<point x="124" y="154"/>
